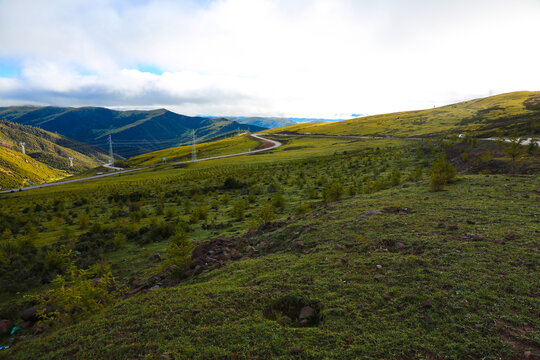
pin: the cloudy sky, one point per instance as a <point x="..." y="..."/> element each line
<point x="301" y="58"/>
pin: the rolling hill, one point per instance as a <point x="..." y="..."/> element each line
<point x="512" y="112"/>
<point x="47" y="155"/>
<point x="18" y="169"/>
<point x="133" y="132"/>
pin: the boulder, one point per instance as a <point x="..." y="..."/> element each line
<point x="307" y="313"/>
<point x="33" y="313"/>
<point x="5" y="327"/>
<point x="156" y="256"/>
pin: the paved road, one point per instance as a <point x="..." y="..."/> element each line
<point x="275" y="144"/>
<point x="525" y="141"/>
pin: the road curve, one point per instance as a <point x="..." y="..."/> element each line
<point x="275" y="144"/>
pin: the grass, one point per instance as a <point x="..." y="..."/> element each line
<point x="18" y="169"/>
<point x="483" y="293"/>
<point x="453" y="282"/>
<point x="227" y="146"/>
<point x="517" y="111"/>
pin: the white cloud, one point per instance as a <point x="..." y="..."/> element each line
<point x="262" y="57"/>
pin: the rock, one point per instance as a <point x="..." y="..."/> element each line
<point x="339" y="247"/>
<point x="368" y="214"/>
<point x="5" y="327"/>
<point x="379" y="267"/>
<point x="427" y="303"/>
<point x="27" y="324"/>
<point x="235" y="254"/>
<point x="399" y="245"/>
<point x="453" y="227"/>
<point x="40" y="328"/>
<point x="387" y="297"/>
<point x="250" y="249"/>
<point x="474" y="237"/>
<point x="298" y="244"/>
<point x="428" y="319"/>
<point x="510" y="236"/>
<point x="304" y="322"/>
<point x="33" y="313"/>
<point x="295" y="351"/>
<point x="307" y="312"/>
<point x="156" y="256"/>
<point x="379" y="277"/>
<point x="344" y="261"/>
<point x="96" y="281"/>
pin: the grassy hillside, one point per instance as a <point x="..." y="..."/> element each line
<point x="513" y="112"/>
<point x="226" y="146"/>
<point x="134" y="132"/>
<point x="51" y="149"/>
<point x="347" y="227"/>
<point x="17" y="170"/>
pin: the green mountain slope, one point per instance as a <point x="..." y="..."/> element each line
<point x="51" y="149"/>
<point x="227" y="146"/>
<point x="133" y="132"/>
<point x="18" y="169"/>
<point x="517" y="111"/>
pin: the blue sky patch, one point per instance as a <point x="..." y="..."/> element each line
<point x="150" y="69"/>
<point x="9" y="68"/>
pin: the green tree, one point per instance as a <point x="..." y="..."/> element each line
<point x="441" y="173"/>
<point x="179" y="252"/>
<point x="238" y="210"/>
<point x="333" y="192"/>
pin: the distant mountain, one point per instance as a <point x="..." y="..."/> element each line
<point x="516" y="112"/>
<point x="133" y="132"/>
<point x="47" y="155"/>
<point x="274" y="122"/>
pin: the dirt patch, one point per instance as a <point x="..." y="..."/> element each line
<point x="524" y="349"/>
<point x="264" y="145"/>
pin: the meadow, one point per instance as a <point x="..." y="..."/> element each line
<point x="346" y="227"/>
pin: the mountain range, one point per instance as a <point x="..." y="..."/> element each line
<point x="133" y="132"/>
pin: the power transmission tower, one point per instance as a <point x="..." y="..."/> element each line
<point x="71" y="161"/>
<point x="111" y="154"/>
<point x="194" y="151"/>
<point x="23" y="144"/>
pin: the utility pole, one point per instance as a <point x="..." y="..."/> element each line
<point x="23" y="144"/>
<point x="71" y="161"/>
<point x="111" y="154"/>
<point x="194" y="151"/>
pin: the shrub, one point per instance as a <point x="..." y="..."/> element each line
<point x="333" y="192"/>
<point x="395" y="177"/>
<point x="278" y="200"/>
<point x="441" y="173"/>
<point x="238" y="210"/>
<point x="79" y="293"/>
<point x="179" y="252"/>
<point x="232" y="183"/>
<point x="265" y="214"/>
<point x="302" y="209"/>
<point x="84" y="221"/>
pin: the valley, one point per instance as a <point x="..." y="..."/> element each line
<point x="281" y="245"/>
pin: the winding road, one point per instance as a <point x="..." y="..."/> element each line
<point x="274" y="145"/>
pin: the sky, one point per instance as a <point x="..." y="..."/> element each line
<point x="290" y="58"/>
